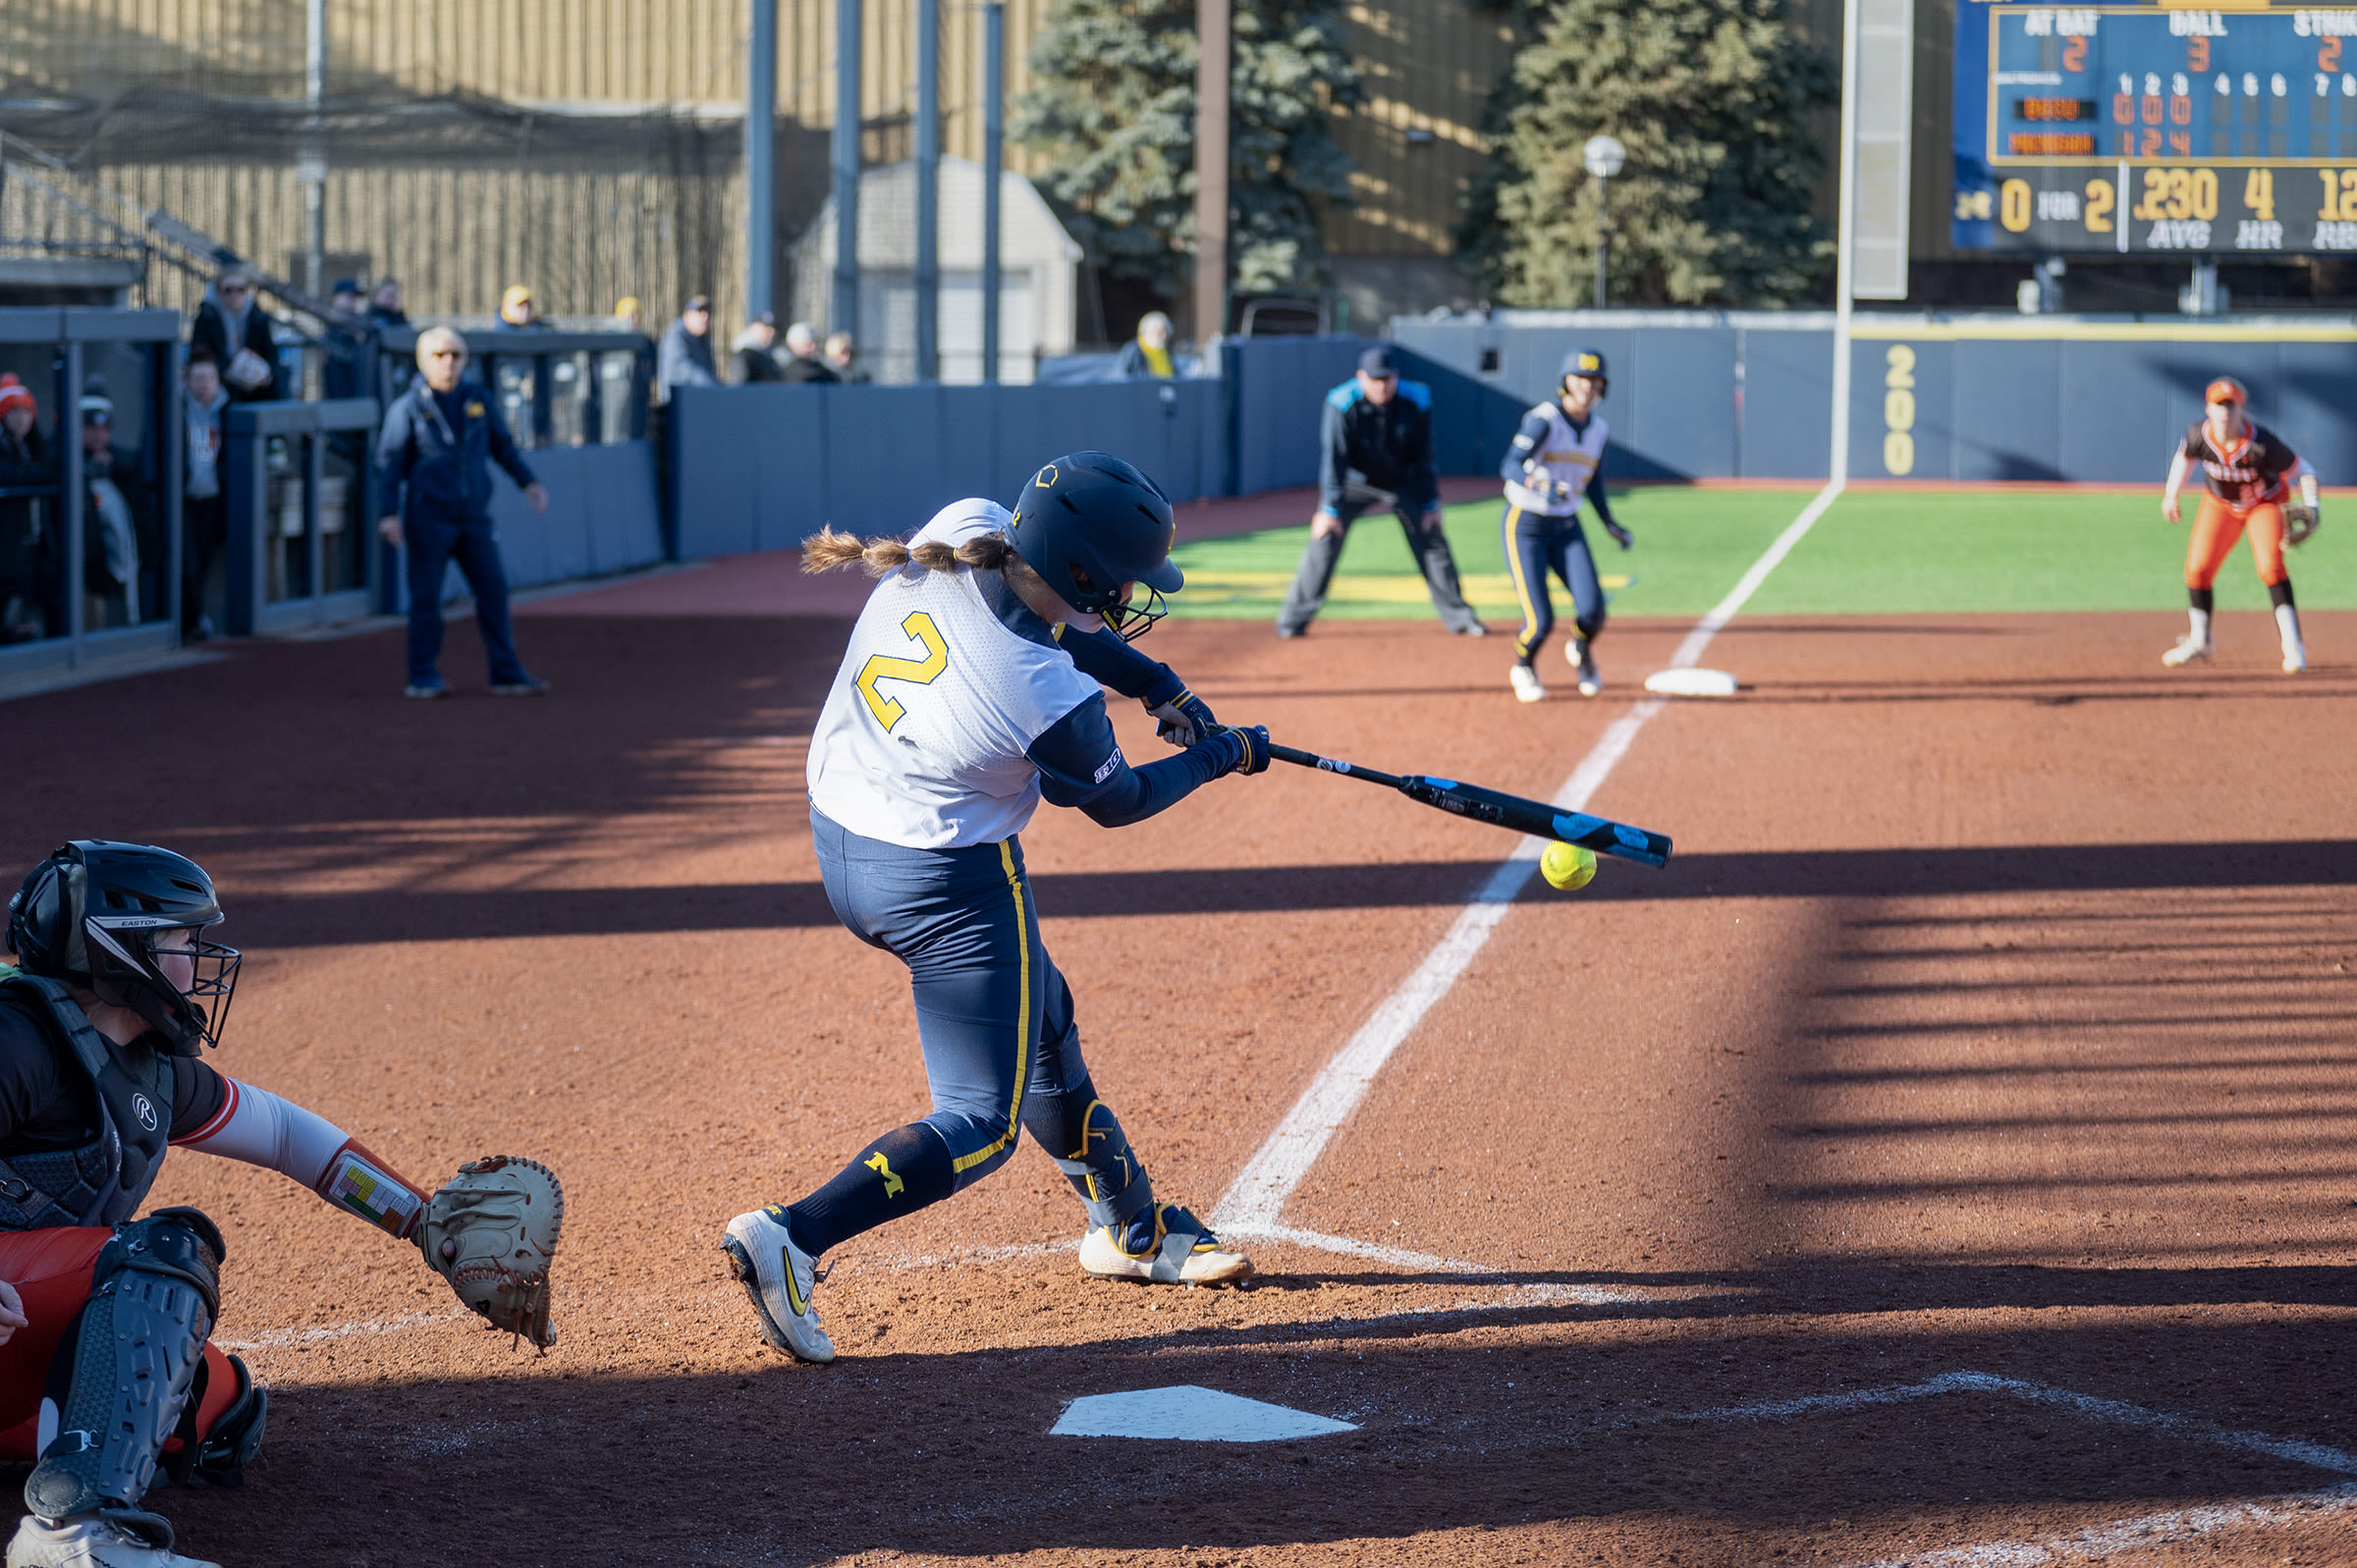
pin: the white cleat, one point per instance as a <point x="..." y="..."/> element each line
<point x="1171" y="1249"/>
<point x="1526" y="685"/>
<point x="1577" y="654"/>
<point x="2188" y="648"/>
<point x="2295" y="658"/>
<point x="93" y="1541"/>
<point x="779" y="1277"/>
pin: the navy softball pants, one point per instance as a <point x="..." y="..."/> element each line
<point x="1535" y="545"/>
<point x="994" y="1017"/>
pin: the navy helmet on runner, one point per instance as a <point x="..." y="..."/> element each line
<point x="108" y="916"/>
<point x="1091" y="524"/>
<point x="1587" y="364"/>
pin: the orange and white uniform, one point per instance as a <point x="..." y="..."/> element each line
<point x="2247" y="482"/>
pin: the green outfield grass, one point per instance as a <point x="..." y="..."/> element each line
<point x="1875" y="552"/>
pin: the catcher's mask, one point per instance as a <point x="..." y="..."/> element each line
<point x="128" y="921"/>
<point x="1090" y="524"/>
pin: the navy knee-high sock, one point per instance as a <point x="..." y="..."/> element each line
<point x="900" y="1172"/>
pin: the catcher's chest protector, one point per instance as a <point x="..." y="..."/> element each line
<point x="104" y="1181"/>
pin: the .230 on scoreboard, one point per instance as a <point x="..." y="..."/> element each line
<point x="2155" y="128"/>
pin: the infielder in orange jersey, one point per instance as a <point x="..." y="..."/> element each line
<point x="2250" y="473"/>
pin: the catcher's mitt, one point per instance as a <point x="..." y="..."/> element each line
<point x="2299" y="521"/>
<point x="491" y="1234"/>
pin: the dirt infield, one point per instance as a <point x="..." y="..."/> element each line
<point x="1952" y="1147"/>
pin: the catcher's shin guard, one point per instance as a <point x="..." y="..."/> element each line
<point x="1083" y="1137"/>
<point x="127" y="1368"/>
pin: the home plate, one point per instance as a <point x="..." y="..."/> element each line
<point x="1189" y="1415"/>
<point x="1691" y="683"/>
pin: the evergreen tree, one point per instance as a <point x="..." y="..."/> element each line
<point x="1713" y="99"/>
<point x="1113" y="107"/>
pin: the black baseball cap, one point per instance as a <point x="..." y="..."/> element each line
<point x="695" y="302"/>
<point x="345" y="286"/>
<point x="1377" y="361"/>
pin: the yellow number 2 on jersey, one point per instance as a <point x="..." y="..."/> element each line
<point x="917" y="671"/>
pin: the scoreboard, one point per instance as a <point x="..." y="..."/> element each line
<point x="2155" y="130"/>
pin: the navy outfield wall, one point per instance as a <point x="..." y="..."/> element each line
<point x="1700" y="395"/>
<point x="764" y="467"/>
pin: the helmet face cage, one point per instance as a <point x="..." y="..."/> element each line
<point x="1095" y="529"/>
<point x="127" y="921"/>
<point x="128" y="968"/>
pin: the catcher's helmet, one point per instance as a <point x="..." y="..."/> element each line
<point x="108" y="916"/>
<point x="1587" y="364"/>
<point x="1090" y="524"/>
<point x="2225" y="389"/>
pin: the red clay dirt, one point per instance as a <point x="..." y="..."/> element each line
<point x="1993" y="1018"/>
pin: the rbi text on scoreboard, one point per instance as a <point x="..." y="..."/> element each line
<point x="2153" y="129"/>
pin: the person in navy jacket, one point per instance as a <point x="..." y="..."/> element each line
<point x="433" y="463"/>
<point x="1377" y="451"/>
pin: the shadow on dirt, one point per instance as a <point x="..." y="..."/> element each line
<point x="948" y="1454"/>
<point x="392" y="914"/>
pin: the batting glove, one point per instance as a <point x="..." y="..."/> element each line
<point x="1252" y="747"/>
<point x="1185" y="720"/>
<point x="1620" y="536"/>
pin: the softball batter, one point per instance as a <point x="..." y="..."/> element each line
<point x="2250" y="473"/>
<point x="1554" y="464"/>
<point x="969" y="693"/>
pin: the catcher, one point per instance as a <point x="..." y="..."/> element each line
<point x="105" y="1368"/>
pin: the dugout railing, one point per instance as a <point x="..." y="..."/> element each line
<point x="63" y="515"/>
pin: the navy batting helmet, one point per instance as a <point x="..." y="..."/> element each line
<point x="1090" y="524"/>
<point x="109" y="917"/>
<point x="1587" y="364"/>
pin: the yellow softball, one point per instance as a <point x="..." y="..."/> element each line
<point x="1567" y="866"/>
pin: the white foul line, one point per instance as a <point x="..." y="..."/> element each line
<point x="1256" y="1201"/>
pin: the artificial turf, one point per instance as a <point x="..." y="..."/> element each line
<point x="1876" y="552"/>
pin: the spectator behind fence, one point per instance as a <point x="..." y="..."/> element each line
<point x="756" y="349"/>
<point x="433" y="459"/>
<point x="628" y="315"/>
<point x="384" y="305"/>
<point x="1149" y="353"/>
<point x="346" y="372"/>
<point x="29" y="604"/>
<point x="519" y="311"/>
<point x="203" y="509"/>
<point x="843" y="357"/>
<point x="115" y="515"/>
<point x="233" y="328"/>
<point x="803" y="362"/>
<point x="684" y="358"/>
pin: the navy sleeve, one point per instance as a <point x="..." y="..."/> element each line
<point x="1334" y="458"/>
<point x="1597" y="497"/>
<point x="396" y="455"/>
<point x="1525" y="445"/>
<point x="1081" y="765"/>
<point x="503" y="446"/>
<point x="1107" y="660"/>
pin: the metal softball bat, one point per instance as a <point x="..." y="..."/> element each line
<point x="1534" y="817"/>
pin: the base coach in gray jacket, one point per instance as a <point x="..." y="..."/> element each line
<point x="1376" y="444"/>
<point x="434" y="446"/>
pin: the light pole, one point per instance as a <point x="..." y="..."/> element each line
<point x="1603" y="157"/>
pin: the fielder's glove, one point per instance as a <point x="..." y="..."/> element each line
<point x="491" y="1234"/>
<point x="1620" y="536"/>
<point x="1185" y="720"/>
<point x="2300" y="519"/>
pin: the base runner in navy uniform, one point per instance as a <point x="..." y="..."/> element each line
<point x="111" y="993"/>
<point x="970" y="692"/>
<point x="1554" y="464"/>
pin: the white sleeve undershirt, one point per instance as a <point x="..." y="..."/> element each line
<point x="257" y="1127"/>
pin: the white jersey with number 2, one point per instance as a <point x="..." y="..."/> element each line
<point x="923" y="740"/>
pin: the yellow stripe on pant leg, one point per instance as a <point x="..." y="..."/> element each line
<point x="1513" y="563"/>
<point x="1022" y="1019"/>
